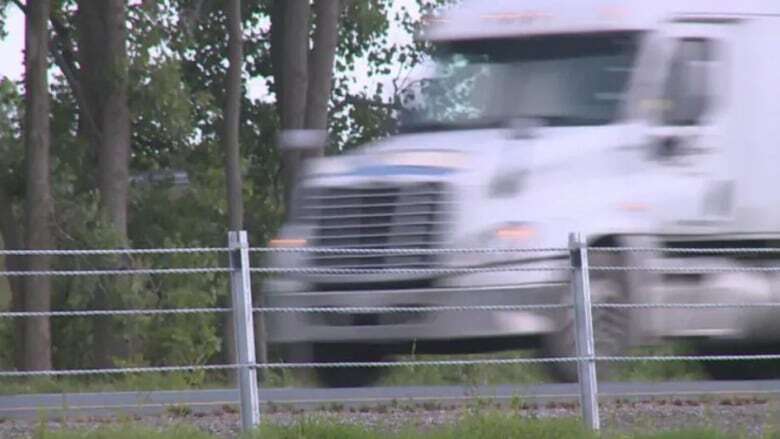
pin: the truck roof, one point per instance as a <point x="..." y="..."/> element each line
<point x="474" y="19"/>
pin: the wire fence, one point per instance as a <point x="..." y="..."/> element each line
<point x="569" y="265"/>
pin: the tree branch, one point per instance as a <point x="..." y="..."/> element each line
<point x="19" y="4"/>
<point x="191" y="17"/>
<point x="68" y="69"/>
<point x="65" y="60"/>
<point x="359" y="100"/>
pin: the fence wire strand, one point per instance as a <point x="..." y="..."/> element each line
<point x="118" y="251"/>
<point x="686" y="305"/>
<point x="406" y="309"/>
<point x="404" y="251"/>
<point x="128" y="272"/>
<point x="420" y="363"/>
<point x="311" y="365"/>
<point x="404" y="271"/>
<point x="386" y="364"/>
<point x="115" y="312"/>
<point x="686" y="250"/>
<point x="688" y="270"/>
<point x="120" y="371"/>
<point x="353" y="309"/>
<point x="391" y="271"/>
<point x="658" y="358"/>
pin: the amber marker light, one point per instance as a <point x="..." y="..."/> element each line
<point x="287" y="243"/>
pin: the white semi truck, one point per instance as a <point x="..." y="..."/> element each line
<point x="636" y="123"/>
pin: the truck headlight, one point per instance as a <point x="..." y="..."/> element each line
<point x="291" y="236"/>
<point x="434" y="159"/>
<point x="508" y="235"/>
<point x="328" y="166"/>
<point x="287" y="243"/>
<point x="514" y="233"/>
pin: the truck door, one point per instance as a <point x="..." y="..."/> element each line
<point x="688" y="124"/>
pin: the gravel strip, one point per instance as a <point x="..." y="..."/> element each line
<point x="753" y="417"/>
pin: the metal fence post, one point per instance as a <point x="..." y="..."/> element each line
<point x="583" y="324"/>
<point x="241" y="290"/>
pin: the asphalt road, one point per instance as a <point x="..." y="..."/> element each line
<point x="156" y="402"/>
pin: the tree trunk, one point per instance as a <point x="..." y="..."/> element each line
<point x="321" y="58"/>
<point x="291" y="96"/>
<point x="103" y="72"/>
<point x="277" y="52"/>
<point x="12" y="239"/>
<point x="230" y="144"/>
<point x="114" y="153"/>
<point x="294" y="69"/>
<point x="39" y="205"/>
<point x="230" y="141"/>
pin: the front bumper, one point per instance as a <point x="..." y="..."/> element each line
<point x="310" y="327"/>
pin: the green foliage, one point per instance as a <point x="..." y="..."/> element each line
<point x="661" y="371"/>
<point x="179" y="410"/>
<point x="175" y="71"/>
<point x="11" y="148"/>
<point x="316" y="428"/>
<point x="163" y="122"/>
<point x="487" y="425"/>
<point x="6" y="339"/>
<point x="3" y="16"/>
<point x="112" y="383"/>
<point x="468" y="374"/>
<point x="508" y="426"/>
<point x="690" y="434"/>
<point x="11" y="165"/>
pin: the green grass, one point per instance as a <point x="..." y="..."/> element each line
<point x="127" y="431"/>
<point x="653" y="371"/>
<point x="132" y="382"/>
<point x="661" y="370"/>
<point x="466" y="375"/>
<point x="471" y="375"/>
<point x="139" y="382"/>
<point x="475" y="426"/>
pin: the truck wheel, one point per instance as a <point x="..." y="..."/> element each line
<point x="295" y="354"/>
<point x="347" y="376"/>
<point x="610" y="331"/>
<point x="740" y="369"/>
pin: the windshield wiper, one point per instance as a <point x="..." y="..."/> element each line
<point x="432" y="126"/>
<point x="564" y="120"/>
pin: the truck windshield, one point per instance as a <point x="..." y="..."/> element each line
<point x="562" y="80"/>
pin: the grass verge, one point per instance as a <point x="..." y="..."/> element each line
<point x="505" y="426"/>
<point x="131" y="382"/>
<point x="471" y="375"/>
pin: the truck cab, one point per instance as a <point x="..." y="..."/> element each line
<point x="645" y="124"/>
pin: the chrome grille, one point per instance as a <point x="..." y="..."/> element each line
<point x="377" y="217"/>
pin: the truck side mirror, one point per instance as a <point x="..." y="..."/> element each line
<point x="296" y="146"/>
<point x="523" y="127"/>
<point x="302" y="140"/>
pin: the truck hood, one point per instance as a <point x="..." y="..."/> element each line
<point x="480" y="153"/>
<point x="567" y="178"/>
<point x="461" y="141"/>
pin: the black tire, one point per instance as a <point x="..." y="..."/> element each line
<point x="347" y="376"/>
<point x="610" y="331"/>
<point x="296" y="354"/>
<point x="741" y="369"/>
